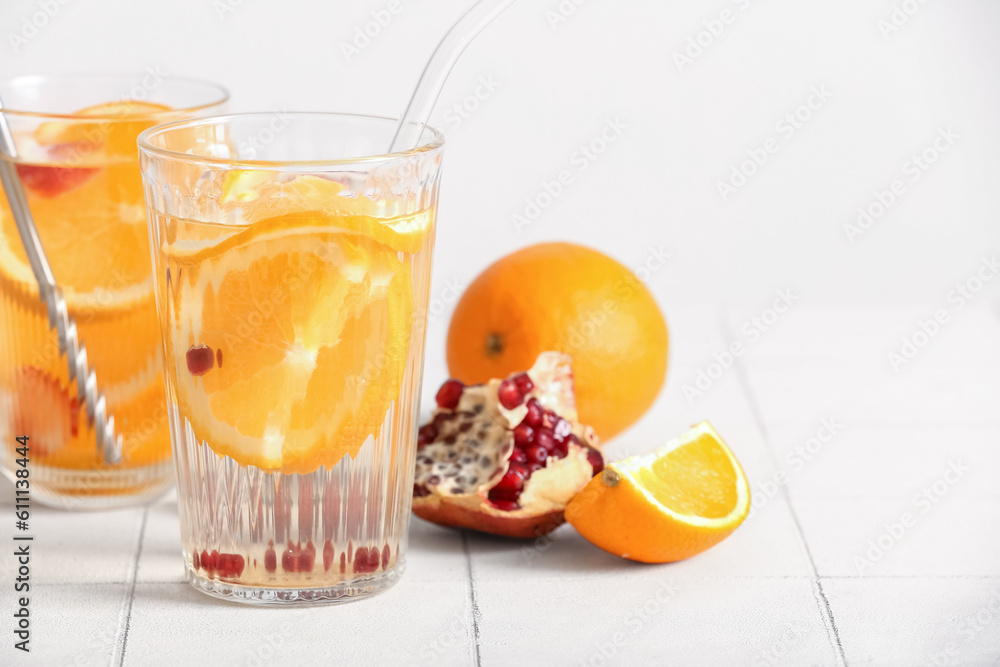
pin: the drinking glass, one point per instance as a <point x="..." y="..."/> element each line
<point x="75" y="138"/>
<point x="292" y="261"/>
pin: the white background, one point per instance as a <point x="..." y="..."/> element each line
<point x="787" y="588"/>
<point x="657" y="184"/>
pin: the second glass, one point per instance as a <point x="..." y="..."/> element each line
<point x="292" y="262"/>
<point x="75" y="138"/>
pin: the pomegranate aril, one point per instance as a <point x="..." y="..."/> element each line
<point x="546" y="440"/>
<point x="535" y="413"/>
<point x="523" y="435"/>
<point x="450" y="394"/>
<point x="595" y="459"/>
<point x="327" y="556"/>
<point x="307" y="557"/>
<point x="230" y="565"/>
<point x="518" y="469"/>
<point x="518" y="456"/>
<point x="510" y="396"/>
<point x="562" y="429"/>
<point x="534" y="467"/>
<point x="560" y="451"/>
<point x="200" y="359"/>
<point x="195" y="560"/>
<point x="536" y="454"/>
<point x="511" y="481"/>
<point x="523" y="382"/>
<point x="289" y="560"/>
<point x="426" y="434"/>
<point x="499" y="495"/>
<point x="270" y="559"/>
<point x="549" y="420"/>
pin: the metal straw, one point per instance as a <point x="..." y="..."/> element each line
<point x="109" y="445"/>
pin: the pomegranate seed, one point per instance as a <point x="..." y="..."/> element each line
<point x="546" y="440"/>
<point x="327" y="556"/>
<point x="595" y="459"/>
<point x="510" y="396"/>
<point x="534" y="467"/>
<point x="562" y="429"/>
<point x="518" y="456"/>
<point x="535" y="412"/>
<point x="270" y="559"/>
<point x="307" y="557"/>
<point x="561" y="450"/>
<point x="450" y="394"/>
<point x="501" y="495"/>
<point x="385" y="556"/>
<point x="230" y="565"/>
<point x="195" y="561"/>
<point x="511" y="481"/>
<point x="200" y="359"/>
<point x="523" y="434"/>
<point x="366" y="560"/>
<point x="289" y="559"/>
<point x="218" y="357"/>
<point x="536" y="454"/>
<point x="426" y="434"/>
<point x="523" y="382"/>
<point x="549" y="420"/>
<point x="74" y="417"/>
<point x="519" y="469"/>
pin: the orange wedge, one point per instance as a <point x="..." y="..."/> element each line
<point x="667" y="505"/>
<point x="113" y="131"/>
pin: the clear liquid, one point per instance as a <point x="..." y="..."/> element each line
<point x="260" y="522"/>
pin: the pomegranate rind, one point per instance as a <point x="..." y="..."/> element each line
<point x="486" y="446"/>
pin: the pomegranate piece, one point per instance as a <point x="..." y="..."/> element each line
<point x="508" y="455"/>
<point x="200" y="359"/>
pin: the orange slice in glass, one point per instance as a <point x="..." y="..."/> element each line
<point x="291" y="337"/>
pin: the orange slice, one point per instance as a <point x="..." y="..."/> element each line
<point x="96" y="241"/>
<point x="114" y="133"/>
<point x="307" y="321"/>
<point x="258" y="195"/>
<point x="667" y="505"/>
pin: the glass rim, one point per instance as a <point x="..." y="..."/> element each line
<point x="221" y="95"/>
<point x="435" y="142"/>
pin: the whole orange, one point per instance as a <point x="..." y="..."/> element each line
<point x="565" y="297"/>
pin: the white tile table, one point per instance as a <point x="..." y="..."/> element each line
<point x="824" y="572"/>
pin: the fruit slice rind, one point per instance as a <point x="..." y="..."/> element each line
<point x="629" y="469"/>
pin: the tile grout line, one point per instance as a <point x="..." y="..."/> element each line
<point x="120" y="646"/>
<point x="472" y="595"/>
<point x="826" y="611"/>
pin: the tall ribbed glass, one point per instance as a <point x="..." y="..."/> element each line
<point x="292" y="263"/>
